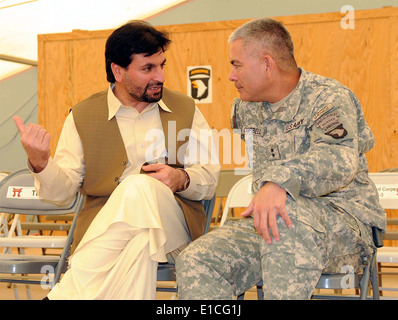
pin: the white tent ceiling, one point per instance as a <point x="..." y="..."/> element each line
<point x="21" y="22"/>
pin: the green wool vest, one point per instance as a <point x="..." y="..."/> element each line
<point x="105" y="155"/>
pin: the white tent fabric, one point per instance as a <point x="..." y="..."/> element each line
<point x="22" y="103"/>
<point x="21" y="21"/>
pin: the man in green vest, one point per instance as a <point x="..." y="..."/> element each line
<point x="130" y="221"/>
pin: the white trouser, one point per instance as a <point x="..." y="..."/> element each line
<point x="119" y="254"/>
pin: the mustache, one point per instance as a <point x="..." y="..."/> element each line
<point x="157" y="83"/>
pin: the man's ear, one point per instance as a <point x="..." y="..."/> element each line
<point x="269" y="65"/>
<point x="117" y="71"/>
<point x="268" y="61"/>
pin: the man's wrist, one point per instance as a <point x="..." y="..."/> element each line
<point x="186" y="182"/>
<point x="38" y="168"/>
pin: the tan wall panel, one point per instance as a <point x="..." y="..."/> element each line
<point x="205" y="48"/>
<point x="357" y="59"/>
<point x="54" y="87"/>
<point x="392" y="107"/>
<point x="87" y="70"/>
<point x="71" y="67"/>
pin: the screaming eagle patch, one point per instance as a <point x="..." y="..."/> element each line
<point x="331" y="125"/>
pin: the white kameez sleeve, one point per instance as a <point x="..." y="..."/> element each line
<point x="63" y="175"/>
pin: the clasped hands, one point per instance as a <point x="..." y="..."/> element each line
<point x="171" y="177"/>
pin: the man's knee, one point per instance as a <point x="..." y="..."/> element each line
<point x="136" y="179"/>
<point x="189" y="271"/>
<point x="138" y="184"/>
<point x="191" y="256"/>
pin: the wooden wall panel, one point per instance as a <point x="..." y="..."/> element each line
<point x="208" y="47"/>
<point x="53" y="86"/>
<point x="87" y="71"/>
<point x="71" y="68"/>
<point x="392" y="107"/>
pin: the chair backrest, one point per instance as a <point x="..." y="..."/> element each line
<point x="387" y="187"/>
<point x="18" y="195"/>
<point x="239" y="196"/>
<point x="3" y="174"/>
<point x="227" y="179"/>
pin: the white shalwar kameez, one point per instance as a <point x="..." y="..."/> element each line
<point x="141" y="222"/>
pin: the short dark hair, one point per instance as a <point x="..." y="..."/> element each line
<point x="132" y="38"/>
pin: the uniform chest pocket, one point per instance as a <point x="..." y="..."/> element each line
<point x="280" y="141"/>
<point x="301" y="140"/>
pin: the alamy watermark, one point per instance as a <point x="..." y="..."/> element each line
<point x="206" y="146"/>
<point x="348" y="21"/>
<point x="47" y="281"/>
<point x="348" y="281"/>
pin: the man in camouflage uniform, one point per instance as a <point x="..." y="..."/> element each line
<point x="314" y="204"/>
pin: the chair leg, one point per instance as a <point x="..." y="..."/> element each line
<point x="16" y="293"/>
<point x="260" y="293"/>
<point x="379" y="277"/>
<point x="374" y="280"/>
<point x="28" y="294"/>
<point x="241" y="296"/>
<point x="364" y="283"/>
<point x="369" y="276"/>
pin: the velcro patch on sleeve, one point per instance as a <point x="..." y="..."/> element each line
<point x="331" y="125"/>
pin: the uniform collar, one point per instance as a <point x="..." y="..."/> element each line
<point x="288" y="108"/>
<point x="114" y="104"/>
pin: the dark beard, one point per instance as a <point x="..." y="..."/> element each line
<point x="147" y="98"/>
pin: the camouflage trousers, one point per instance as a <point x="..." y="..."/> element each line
<point x="231" y="259"/>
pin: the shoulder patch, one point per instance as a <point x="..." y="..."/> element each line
<point x="323" y="110"/>
<point x="331" y="125"/>
<point x="338" y="132"/>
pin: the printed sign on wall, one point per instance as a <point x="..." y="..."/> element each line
<point x="387" y="191"/>
<point x="200" y="83"/>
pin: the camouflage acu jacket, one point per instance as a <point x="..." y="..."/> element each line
<point x="313" y="146"/>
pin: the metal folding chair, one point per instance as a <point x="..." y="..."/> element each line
<point x="18" y="197"/>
